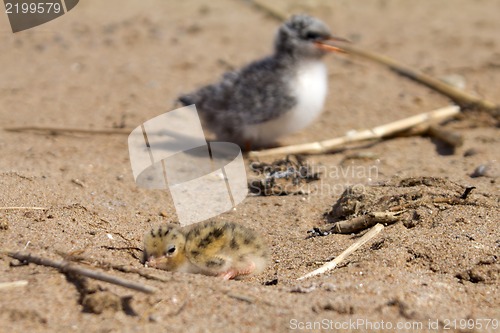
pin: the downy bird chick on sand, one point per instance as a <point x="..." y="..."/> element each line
<point x="223" y="249"/>
<point x="274" y="96"/>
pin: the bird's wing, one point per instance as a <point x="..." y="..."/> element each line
<point x="262" y="91"/>
<point x="257" y="93"/>
<point x="212" y="98"/>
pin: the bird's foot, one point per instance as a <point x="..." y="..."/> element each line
<point x="234" y="273"/>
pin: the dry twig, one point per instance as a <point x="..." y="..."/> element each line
<point x="332" y="264"/>
<point x="64" y="130"/>
<point x="117" y="267"/>
<point x="13" y="284"/>
<point x="458" y="96"/>
<point x="379" y="132"/>
<point x="21" y="208"/>
<point x="66" y="267"/>
<point x="78" y="182"/>
<point x="363" y="222"/>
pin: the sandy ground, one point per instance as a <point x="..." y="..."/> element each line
<point x="118" y="63"/>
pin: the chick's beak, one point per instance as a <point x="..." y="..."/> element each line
<point x="151" y="262"/>
<point x="322" y="44"/>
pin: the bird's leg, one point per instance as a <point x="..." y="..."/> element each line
<point x="228" y="275"/>
<point x="234" y="273"/>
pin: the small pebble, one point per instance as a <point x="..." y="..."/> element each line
<point x="303" y="290"/>
<point x="153" y="318"/>
<point x="490" y="169"/>
<point x="329" y="286"/>
<point x="4" y="224"/>
<point x="471" y="152"/>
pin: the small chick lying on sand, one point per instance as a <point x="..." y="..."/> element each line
<point x="223" y="249"/>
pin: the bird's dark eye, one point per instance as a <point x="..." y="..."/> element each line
<point x="170" y="249"/>
<point x="312" y="35"/>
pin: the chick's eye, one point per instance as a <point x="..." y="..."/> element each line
<point x="170" y="249"/>
<point x="313" y="35"/>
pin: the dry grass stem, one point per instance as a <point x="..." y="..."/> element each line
<point x="379" y="132"/>
<point x="363" y="222"/>
<point x="13" y="284"/>
<point x="458" y="96"/>
<point x="66" y="267"/>
<point x="64" y="130"/>
<point x="21" y="208"/>
<point x="356" y="245"/>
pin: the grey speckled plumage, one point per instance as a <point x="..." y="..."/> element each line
<point x="266" y="99"/>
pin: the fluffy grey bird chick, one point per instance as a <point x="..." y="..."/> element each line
<point x="274" y="96"/>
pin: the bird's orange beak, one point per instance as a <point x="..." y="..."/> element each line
<point x="332" y="48"/>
